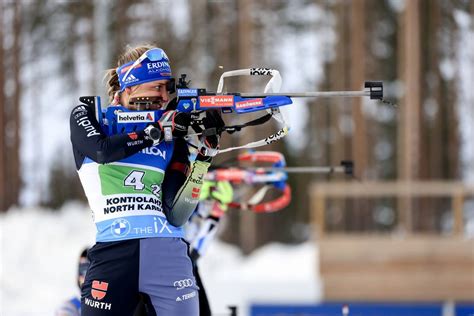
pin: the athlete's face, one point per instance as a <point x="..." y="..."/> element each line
<point x="154" y="89"/>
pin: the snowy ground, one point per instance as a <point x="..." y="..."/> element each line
<point x="39" y="250"/>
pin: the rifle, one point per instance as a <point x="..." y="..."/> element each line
<point x="274" y="177"/>
<point x="198" y="101"/>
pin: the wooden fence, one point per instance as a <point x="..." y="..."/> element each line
<point x="408" y="267"/>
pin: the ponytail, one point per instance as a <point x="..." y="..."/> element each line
<point x="113" y="85"/>
<point x="111" y="76"/>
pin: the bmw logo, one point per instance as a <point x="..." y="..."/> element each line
<point x="120" y="227"/>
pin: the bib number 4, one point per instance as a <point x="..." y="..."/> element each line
<point x="135" y="180"/>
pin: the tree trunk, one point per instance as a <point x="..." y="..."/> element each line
<point x="14" y="165"/>
<point x="410" y="110"/>
<point x="359" y="145"/>
<point x="339" y="75"/>
<point x="103" y="52"/>
<point x="248" y="229"/>
<point x="3" y="150"/>
<point x="431" y="118"/>
<point x="360" y="139"/>
<point x="10" y="121"/>
<point x="119" y="26"/>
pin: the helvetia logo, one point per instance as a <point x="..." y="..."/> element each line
<point x="136" y="117"/>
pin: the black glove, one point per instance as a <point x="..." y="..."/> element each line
<point x="209" y="140"/>
<point x="174" y="123"/>
<point x="182" y="121"/>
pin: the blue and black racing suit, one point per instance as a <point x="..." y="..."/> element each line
<point x="140" y="196"/>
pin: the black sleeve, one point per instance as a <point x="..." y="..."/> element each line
<point x="175" y="174"/>
<point x="88" y="139"/>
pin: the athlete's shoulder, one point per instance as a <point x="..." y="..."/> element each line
<point x="82" y="121"/>
<point x="80" y="111"/>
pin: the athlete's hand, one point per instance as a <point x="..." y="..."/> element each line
<point x="209" y="140"/>
<point x="223" y="192"/>
<point x="174" y="123"/>
<point x="220" y="191"/>
<point x="182" y="121"/>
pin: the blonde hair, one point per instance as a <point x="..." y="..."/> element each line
<point x="111" y="77"/>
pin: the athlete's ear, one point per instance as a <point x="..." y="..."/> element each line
<point x="116" y="100"/>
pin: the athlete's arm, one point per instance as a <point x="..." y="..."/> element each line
<point x="181" y="188"/>
<point x="88" y="140"/>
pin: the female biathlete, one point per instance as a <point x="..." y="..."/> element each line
<point x="141" y="190"/>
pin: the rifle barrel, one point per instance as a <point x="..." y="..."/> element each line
<point x="318" y="94"/>
<point x="328" y="169"/>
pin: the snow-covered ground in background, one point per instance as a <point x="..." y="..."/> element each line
<point x="38" y="263"/>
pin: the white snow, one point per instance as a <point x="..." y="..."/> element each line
<point x="273" y="274"/>
<point x="39" y="252"/>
